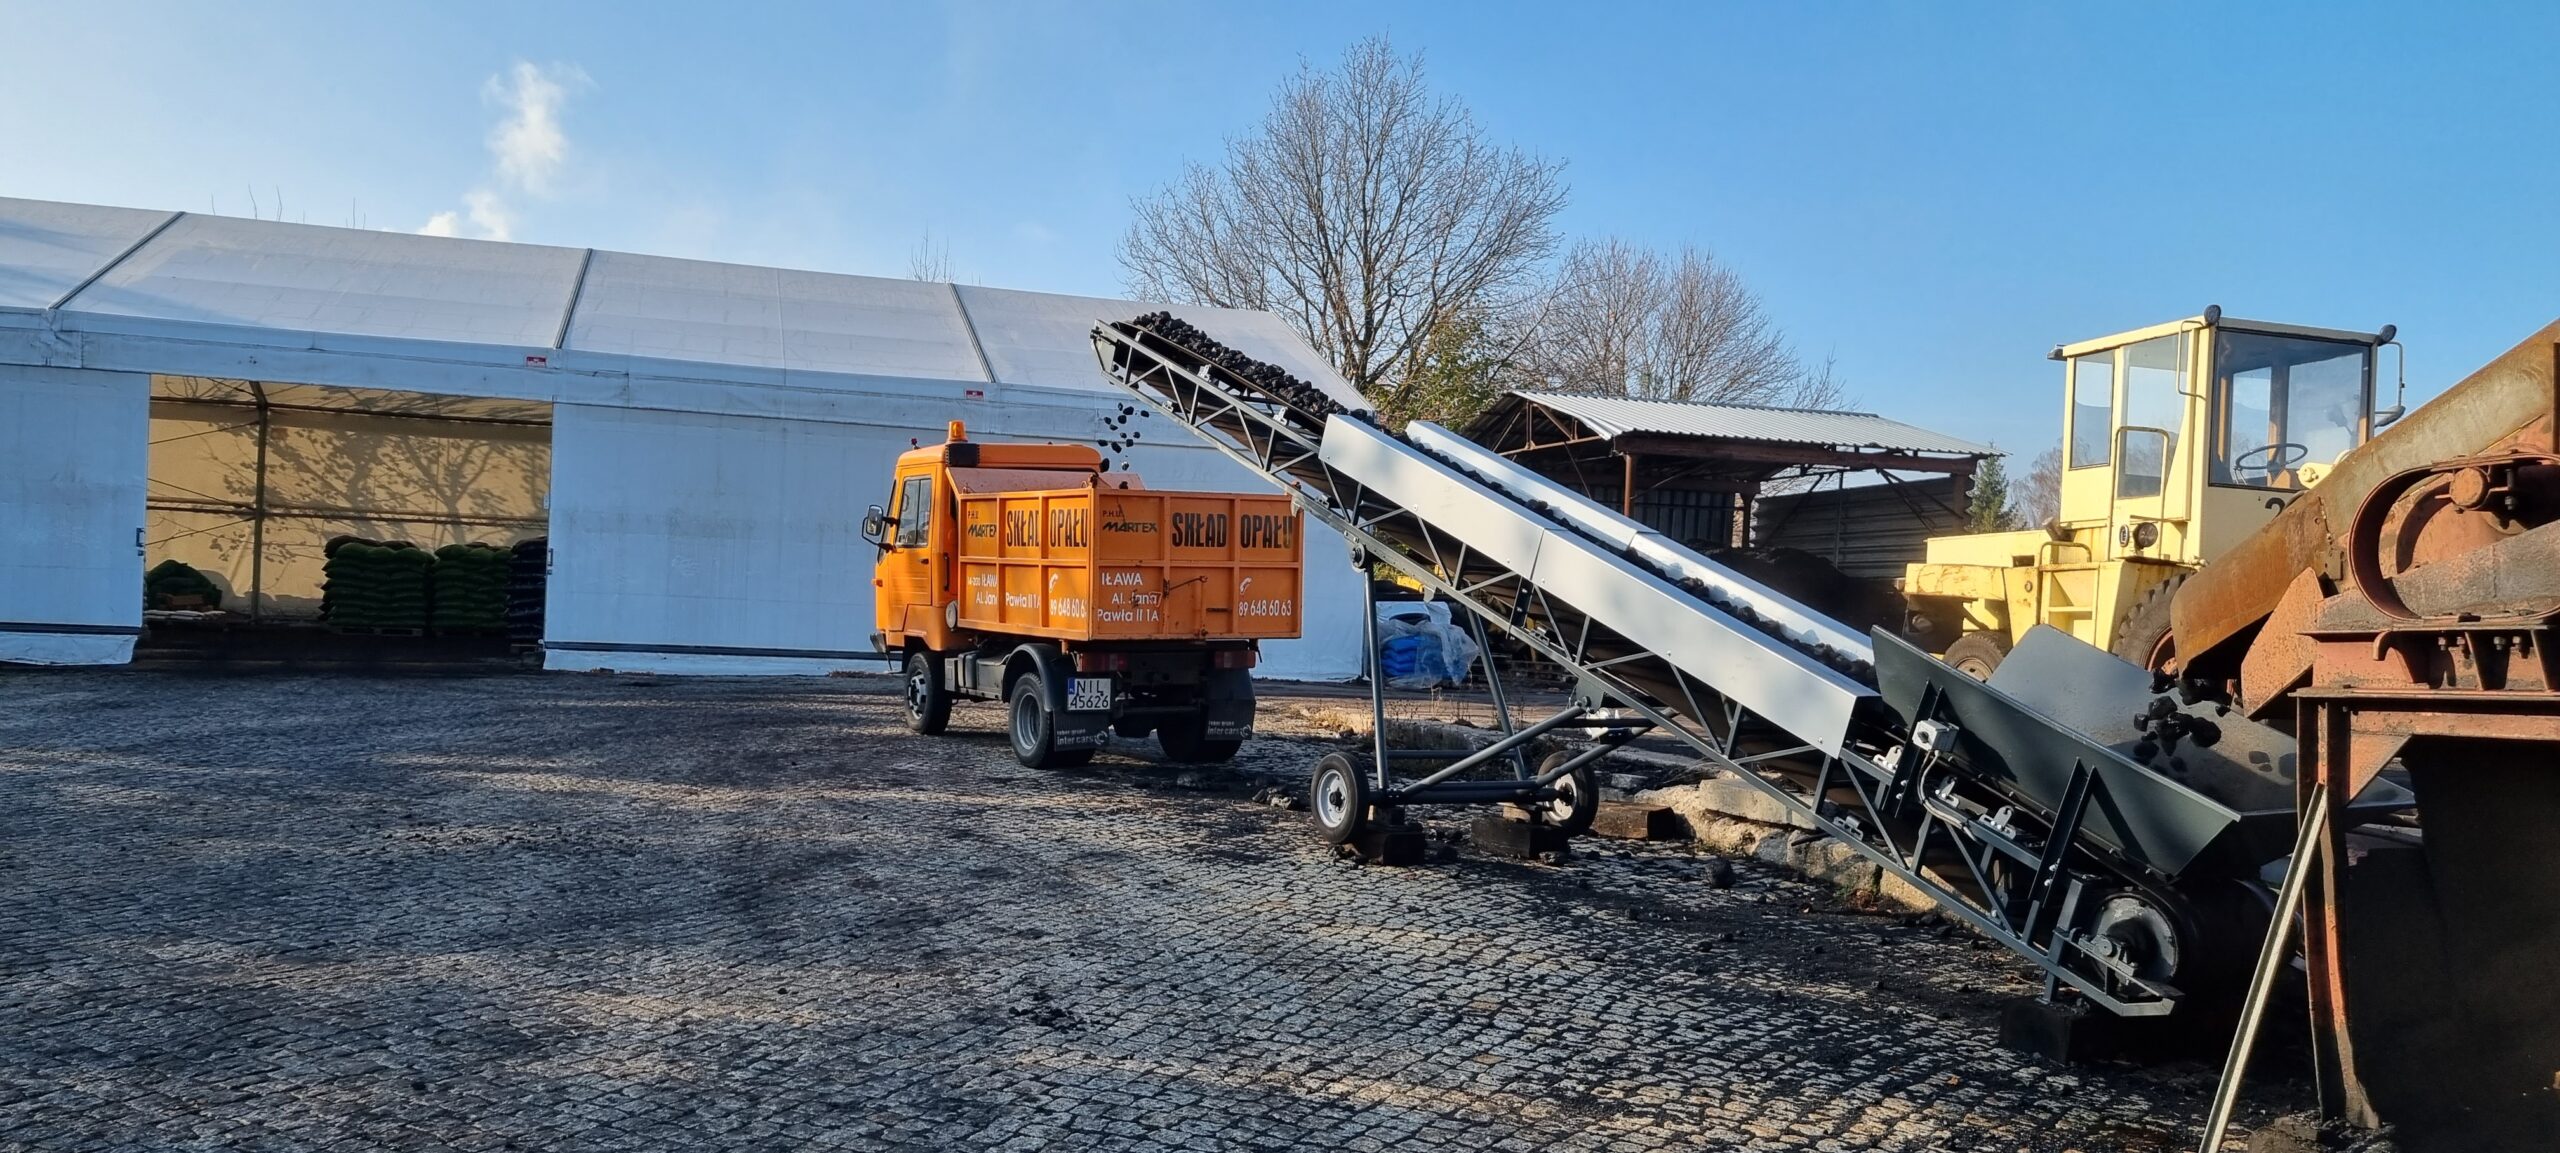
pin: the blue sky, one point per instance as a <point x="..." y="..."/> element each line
<point x="1934" y="193"/>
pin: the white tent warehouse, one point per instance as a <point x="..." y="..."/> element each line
<point x="697" y="440"/>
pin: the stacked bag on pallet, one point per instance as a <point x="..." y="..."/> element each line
<point x="376" y="584"/>
<point x="471" y="583"/>
<point x="1419" y="648"/>
<point x="175" y="584"/>
<point x="528" y="569"/>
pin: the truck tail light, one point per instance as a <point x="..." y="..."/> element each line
<point x="1233" y="659"/>
<point x="1102" y="662"/>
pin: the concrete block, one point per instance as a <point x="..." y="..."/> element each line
<point x="1515" y="838"/>
<point x="1635" y="822"/>
<point x="1391" y="845"/>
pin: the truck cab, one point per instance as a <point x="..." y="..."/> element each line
<point x="2178" y="441"/>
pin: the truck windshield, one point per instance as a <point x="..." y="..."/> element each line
<point x="2286" y="401"/>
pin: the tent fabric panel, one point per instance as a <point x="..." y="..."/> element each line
<point x="72" y="450"/>
<point x="691" y="530"/>
<point x="219" y="270"/>
<point x="774" y="318"/>
<point x="48" y="248"/>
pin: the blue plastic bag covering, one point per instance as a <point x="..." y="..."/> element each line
<point x="1419" y="647"/>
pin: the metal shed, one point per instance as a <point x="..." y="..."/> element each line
<point x="707" y="433"/>
<point x="1695" y="470"/>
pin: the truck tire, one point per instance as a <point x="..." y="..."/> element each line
<point x="2142" y="636"/>
<point x="1186" y="738"/>
<point x="1033" y="733"/>
<point x="1338" y="798"/>
<point x="1976" y="654"/>
<point x="928" y="699"/>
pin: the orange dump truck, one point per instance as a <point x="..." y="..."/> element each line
<point x="1088" y="603"/>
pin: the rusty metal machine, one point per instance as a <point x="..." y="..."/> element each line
<point x="2401" y="616"/>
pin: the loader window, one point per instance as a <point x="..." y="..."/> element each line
<point x="915" y="512"/>
<point x="2153" y="400"/>
<point x="2093" y="408"/>
<point x="2284" y="401"/>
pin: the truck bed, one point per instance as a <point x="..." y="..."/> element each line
<point x="1130" y="564"/>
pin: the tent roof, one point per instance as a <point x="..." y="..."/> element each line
<point x="427" y="313"/>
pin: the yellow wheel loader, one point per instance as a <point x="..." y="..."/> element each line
<point x="2178" y="442"/>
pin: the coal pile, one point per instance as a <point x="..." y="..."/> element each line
<point x="2164" y="726"/>
<point x="1271" y="380"/>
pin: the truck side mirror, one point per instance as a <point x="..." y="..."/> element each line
<point x="873" y="523"/>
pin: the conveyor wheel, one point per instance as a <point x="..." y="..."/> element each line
<point x="1577" y="798"/>
<point x="2143" y="934"/>
<point x="1339" y="798"/>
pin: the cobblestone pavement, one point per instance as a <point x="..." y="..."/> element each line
<point x="596" y="912"/>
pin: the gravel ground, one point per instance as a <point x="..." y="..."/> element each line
<point x="601" y="912"/>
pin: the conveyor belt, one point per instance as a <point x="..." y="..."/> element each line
<point x="1779" y="695"/>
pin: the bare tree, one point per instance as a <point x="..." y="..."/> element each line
<point x="1368" y="213"/>
<point x="926" y="262"/>
<point x="2036" y="501"/>
<point x="1627" y="321"/>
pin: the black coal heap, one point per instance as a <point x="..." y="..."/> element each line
<point x="1270" y="379"/>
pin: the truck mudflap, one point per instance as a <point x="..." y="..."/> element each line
<point x="1226" y="704"/>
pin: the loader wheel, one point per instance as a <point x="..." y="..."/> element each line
<point x="1338" y="798"/>
<point x="1035" y="737"/>
<point x="1577" y="796"/>
<point x="2142" y="635"/>
<point x="928" y="701"/>
<point x="1976" y="654"/>
<point x="1186" y="739"/>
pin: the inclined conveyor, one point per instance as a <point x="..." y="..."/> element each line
<point x="2129" y="876"/>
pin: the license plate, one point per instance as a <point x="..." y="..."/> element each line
<point x="1088" y="694"/>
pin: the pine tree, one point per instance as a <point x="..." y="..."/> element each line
<point x="1988" y="509"/>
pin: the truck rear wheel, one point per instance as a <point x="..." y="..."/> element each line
<point x="928" y="699"/>
<point x="1034" y="733"/>
<point x="1186" y="738"/>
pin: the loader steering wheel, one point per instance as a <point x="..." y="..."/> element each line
<point x="2281" y="455"/>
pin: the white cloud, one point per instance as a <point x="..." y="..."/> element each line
<point x="527" y="149"/>
<point x="529" y="144"/>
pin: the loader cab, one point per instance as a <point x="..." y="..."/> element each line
<point x="2180" y="439"/>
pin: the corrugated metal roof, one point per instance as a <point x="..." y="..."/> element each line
<point x="476" y="304"/>
<point x="1618" y="416"/>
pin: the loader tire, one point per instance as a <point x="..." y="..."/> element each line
<point x="1976" y="654"/>
<point x="2142" y="634"/>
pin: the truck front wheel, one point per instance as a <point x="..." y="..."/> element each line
<point x="1035" y="737"/>
<point x="928" y="699"/>
<point x="1186" y="738"/>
